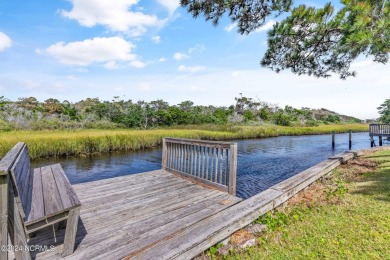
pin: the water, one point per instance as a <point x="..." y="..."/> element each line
<point x="261" y="162"/>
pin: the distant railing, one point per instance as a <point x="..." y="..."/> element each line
<point x="380" y="129"/>
<point x="208" y="163"/>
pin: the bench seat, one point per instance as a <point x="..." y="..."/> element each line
<point x="51" y="195"/>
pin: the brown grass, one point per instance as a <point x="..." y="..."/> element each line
<point x="313" y="196"/>
<point x="240" y="237"/>
<point x="354" y="169"/>
<point x="318" y="193"/>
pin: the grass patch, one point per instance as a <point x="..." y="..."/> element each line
<point x="80" y="142"/>
<point x="345" y="215"/>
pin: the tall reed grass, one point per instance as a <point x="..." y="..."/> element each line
<point x="82" y="142"/>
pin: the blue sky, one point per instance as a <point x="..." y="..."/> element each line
<point x="148" y="50"/>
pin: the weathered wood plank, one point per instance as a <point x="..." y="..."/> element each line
<point x="199" y="181"/>
<point x="345" y="156"/>
<point x="51" y="196"/>
<point x="144" y="239"/>
<point x="19" y="236"/>
<point x="134" y="218"/>
<point x="233" y="169"/>
<point x="113" y="193"/>
<point x="6" y="217"/>
<point x="8" y="160"/>
<point x="164" y="162"/>
<point x="131" y="194"/>
<point x="67" y="194"/>
<point x="37" y="210"/>
<point x="3" y="215"/>
<point x="154" y="202"/>
<point x="71" y="231"/>
<point x="215" y="228"/>
<point x="136" y="178"/>
<point x="124" y="183"/>
<point x="134" y="221"/>
<point x="20" y="172"/>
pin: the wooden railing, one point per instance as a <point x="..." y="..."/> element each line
<point x="380" y="129"/>
<point x="209" y="163"/>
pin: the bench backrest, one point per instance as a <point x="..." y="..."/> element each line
<point x="8" y="160"/>
<point x="21" y="177"/>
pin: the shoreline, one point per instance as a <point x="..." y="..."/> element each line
<point x="60" y="143"/>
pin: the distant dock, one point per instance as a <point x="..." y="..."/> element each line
<point x="380" y="130"/>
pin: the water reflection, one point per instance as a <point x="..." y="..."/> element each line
<point x="261" y="162"/>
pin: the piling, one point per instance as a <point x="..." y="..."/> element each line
<point x="380" y="140"/>
<point x="350" y="139"/>
<point x="333" y="139"/>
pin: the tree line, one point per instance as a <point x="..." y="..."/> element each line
<point x="29" y="113"/>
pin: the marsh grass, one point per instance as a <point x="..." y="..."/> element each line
<point x="47" y="143"/>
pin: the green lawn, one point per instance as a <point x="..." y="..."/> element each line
<point x="345" y="216"/>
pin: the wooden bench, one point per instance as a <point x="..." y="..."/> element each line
<point x="38" y="198"/>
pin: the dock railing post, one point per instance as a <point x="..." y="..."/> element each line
<point x="333" y="139"/>
<point x="350" y="139"/>
<point x="233" y="169"/>
<point x="380" y="140"/>
<point x="164" y="155"/>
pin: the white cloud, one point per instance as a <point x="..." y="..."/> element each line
<point x="162" y="59"/>
<point x="111" y="65"/>
<point x="198" y="48"/>
<point x="115" y="15"/>
<point x="137" y="64"/>
<point x="191" y="68"/>
<point x="268" y="25"/>
<point x="180" y="56"/>
<point x="156" y="39"/>
<point x="230" y="27"/>
<point x="170" y="5"/>
<point x="5" y="41"/>
<point x="89" y="51"/>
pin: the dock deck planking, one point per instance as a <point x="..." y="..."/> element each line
<point x="124" y="216"/>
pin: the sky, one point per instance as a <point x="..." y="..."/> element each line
<point x="154" y="49"/>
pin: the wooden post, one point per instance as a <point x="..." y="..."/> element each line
<point x="333" y="139"/>
<point x="380" y="140"/>
<point x="372" y="140"/>
<point x="3" y="216"/>
<point x="164" y="155"/>
<point x="70" y="232"/>
<point x="350" y="139"/>
<point x="233" y="169"/>
<point x="19" y="236"/>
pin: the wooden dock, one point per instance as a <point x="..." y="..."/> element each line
<point x="130" y="215"/>
<point x="380" y="130"/>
